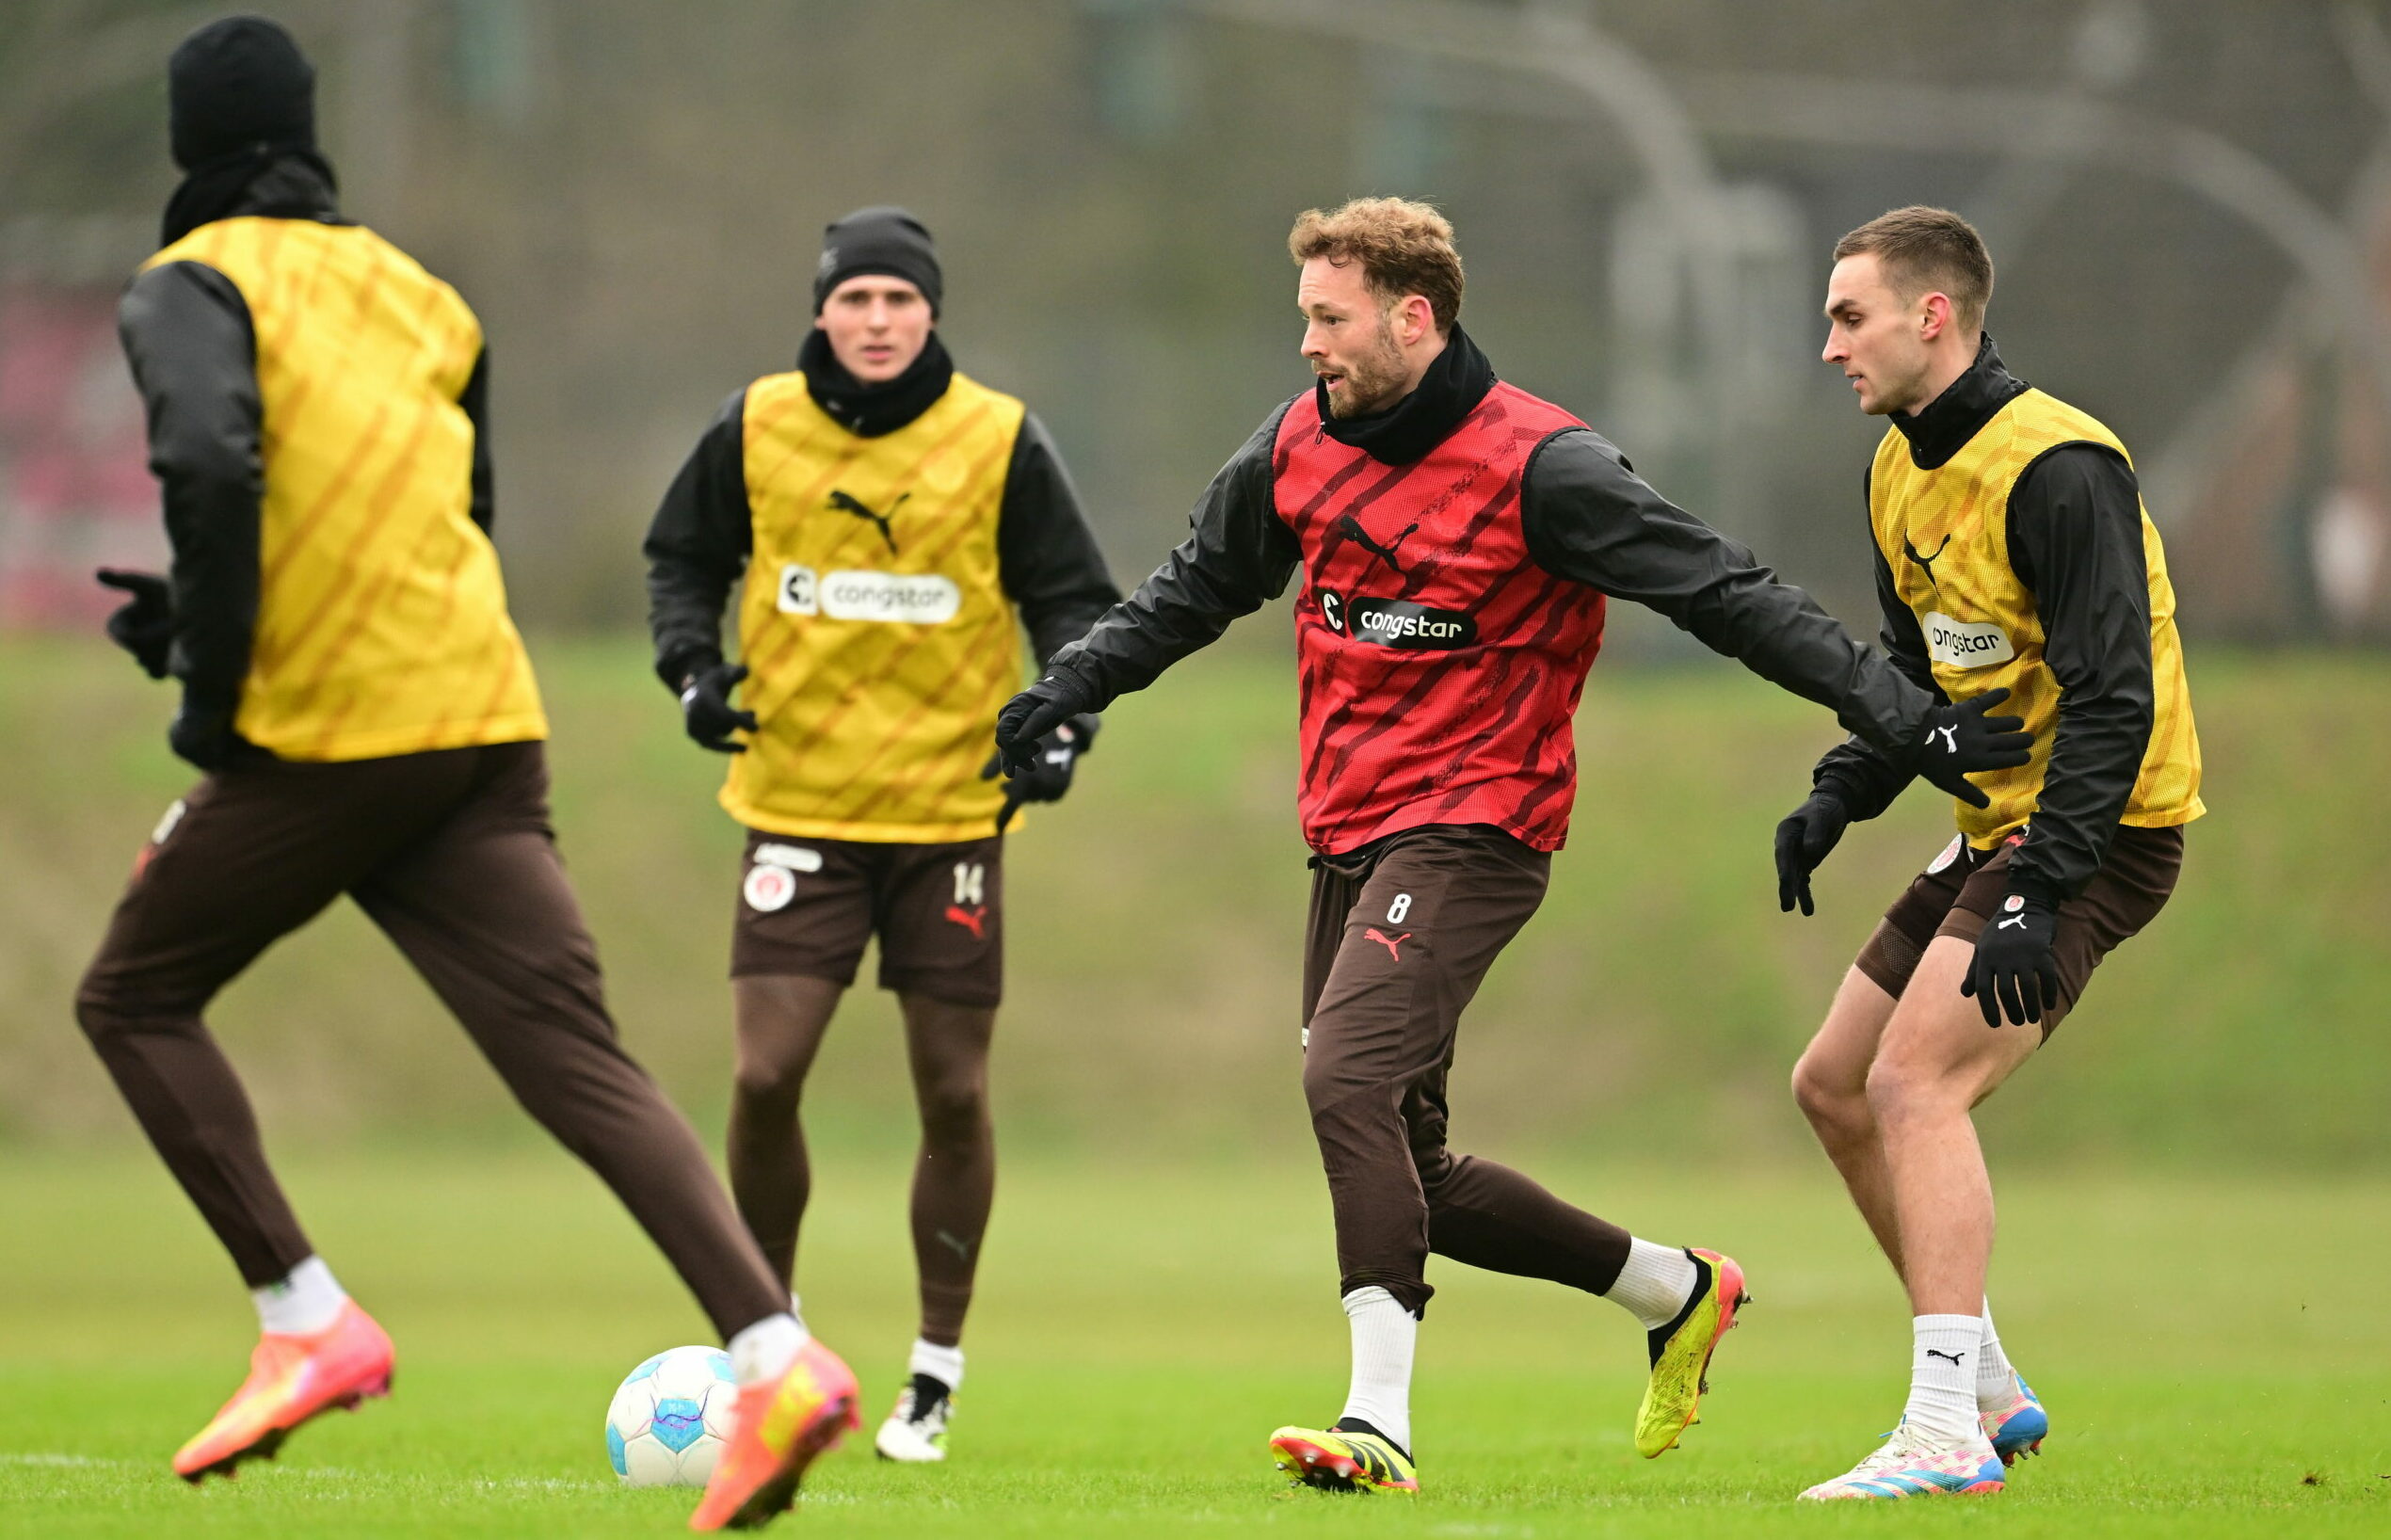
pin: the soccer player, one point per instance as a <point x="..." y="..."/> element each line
<point x="889" y="515"/>
<point x="2013" y="553"/>
<point x="1456" y="540"/>
<point x="368" y="725"/>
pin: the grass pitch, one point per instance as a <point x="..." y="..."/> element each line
<point x="2213" y="1354"/>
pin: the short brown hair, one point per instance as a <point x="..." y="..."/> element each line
<point x="1921" y="248"/>
<point x="1404" y="248"/>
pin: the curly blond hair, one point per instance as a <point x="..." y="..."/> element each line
<point x="1404" y="248"/>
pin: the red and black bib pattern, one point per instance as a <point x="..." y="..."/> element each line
<point x="1441" y="666"/>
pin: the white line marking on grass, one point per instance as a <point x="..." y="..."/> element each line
<point x="59" y="1460"/>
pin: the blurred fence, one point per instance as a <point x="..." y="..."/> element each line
<point x="2190" y="203"/>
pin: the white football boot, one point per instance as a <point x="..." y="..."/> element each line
<point x="915" y="1432"/>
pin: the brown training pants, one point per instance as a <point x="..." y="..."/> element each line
<point x="450" y="853"/>
<point x="1401" y="934"/>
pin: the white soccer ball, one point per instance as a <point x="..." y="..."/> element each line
<point x="671" y="1418"/>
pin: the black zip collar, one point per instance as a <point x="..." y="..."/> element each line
<point x="1942" y="427"/>
<point x="872" y="411"/>
<point x="1455" y="382"/>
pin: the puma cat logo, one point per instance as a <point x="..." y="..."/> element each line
<point x="1926" y="564"/>
<point x="848" y="503"/>
<point x="1351" y="528"/>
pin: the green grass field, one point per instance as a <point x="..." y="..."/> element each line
<point x="2213" y="1352"/>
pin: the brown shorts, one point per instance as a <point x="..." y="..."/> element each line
<point x="1957" y="895"/>
<point x="808" y="907"/>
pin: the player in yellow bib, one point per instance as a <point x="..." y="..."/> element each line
<point x="881" y="517"/>
<point x="2013" y="553"/>
<point x="368" y="727"/>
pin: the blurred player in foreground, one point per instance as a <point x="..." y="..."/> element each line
<point x="888" y="513"/>
<point x="1456" y="540"/>
<point x="2013" y="553"/>
<point x="367" y="721"/>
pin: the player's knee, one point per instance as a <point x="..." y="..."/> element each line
<point x="105" y="1019"/>
<point x="1828" y="1101"/>
<point x="954" y="1111"/>
<point x="769" y="1082"/>
<point x="1900" y="1089"/>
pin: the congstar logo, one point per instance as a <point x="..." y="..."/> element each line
<point x="1396" y="622"/>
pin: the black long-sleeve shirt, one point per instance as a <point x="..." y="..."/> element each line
<point x="1587" y="518"/>
<point x="697" y="547"/>
<point x="2076" y="545"/>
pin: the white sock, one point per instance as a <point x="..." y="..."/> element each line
<point x="1655" y="1284"/>
<point x="1995" y="1380"/>
<point x="765" y="1350"/>
<point x="1384" y="1335"/>
<point x="942" y="1363"/>
<point x="307" y="1300"/>
<point x="1942" y="1376"/>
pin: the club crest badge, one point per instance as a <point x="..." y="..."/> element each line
<point x="769" y="887"/>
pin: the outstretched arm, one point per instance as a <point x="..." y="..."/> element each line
<point x="1237" y="558"/>
<point x="1591" y="519"/>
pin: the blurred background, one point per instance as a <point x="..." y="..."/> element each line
<point x="2190" y="205"/>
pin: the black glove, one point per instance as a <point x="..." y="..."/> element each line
<point x="2013" y="963"/>
<point x="144" y="624"/>
<point x="1050" y="777"/>
<point x="203" y="735"/>
<point x="706" y="709"/>
<point x="1962" y="739"/>
<point x="1022" y="726"/>
<point x="1803" y="841"/>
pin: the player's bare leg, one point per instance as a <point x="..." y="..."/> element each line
<point x="954" y="1187"/>
<point x="781" y="1022"/>
<point x="1934" y="1061"/>
<point x="1831" y="1085"/>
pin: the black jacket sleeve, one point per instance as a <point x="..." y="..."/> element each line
<point x="2075" y="541"/>
<point x="187" y="336"/>
<point x="1047" y="557"/>
<point x="476" y="400"/>
<point x="1863" y="776"/>
<point x="697" y="547"/>
<point x="1237" y="558"/>
<point x="1588" y="517"/>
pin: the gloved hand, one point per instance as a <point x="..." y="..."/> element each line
<point x="203" y="735"/>
<point x="706" y="709"/>
<point x="1962" y="739"/>
<point x="1022" y="726"/>
<point x="2013" y="963"/>
<point x="1803" y="841"/>
<point x="1049" y="774"/>
<point x="143" y="625"/>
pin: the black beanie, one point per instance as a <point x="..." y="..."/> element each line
<point x="878" y="240"/>
<point x="236" y="84"/>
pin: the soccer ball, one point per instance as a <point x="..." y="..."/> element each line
<point x="670" y="1419"/>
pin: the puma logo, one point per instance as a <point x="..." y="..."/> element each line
<point x="1950" y="739"/>
<point x="1954" y="1357"/>
<point x="1926" y="564"/>
<point x="1351" y="528"/>
<point x="1393" y="944"/>
<point x="2016" y="919"/>
<point x="961" y="1248"/>
<point x="848" y="503"/>
<point x="973" y="920"/>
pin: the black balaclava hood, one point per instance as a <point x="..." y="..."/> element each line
<point x="879" y="240"/>
<point x="241" y="103"/>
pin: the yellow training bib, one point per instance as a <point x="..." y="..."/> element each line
<point x="879" y="639"/>
<point x="1945" y="533"/>
<point x="381" y="619"/>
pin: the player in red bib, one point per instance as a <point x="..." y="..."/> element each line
<point x="1455" y="539"/>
